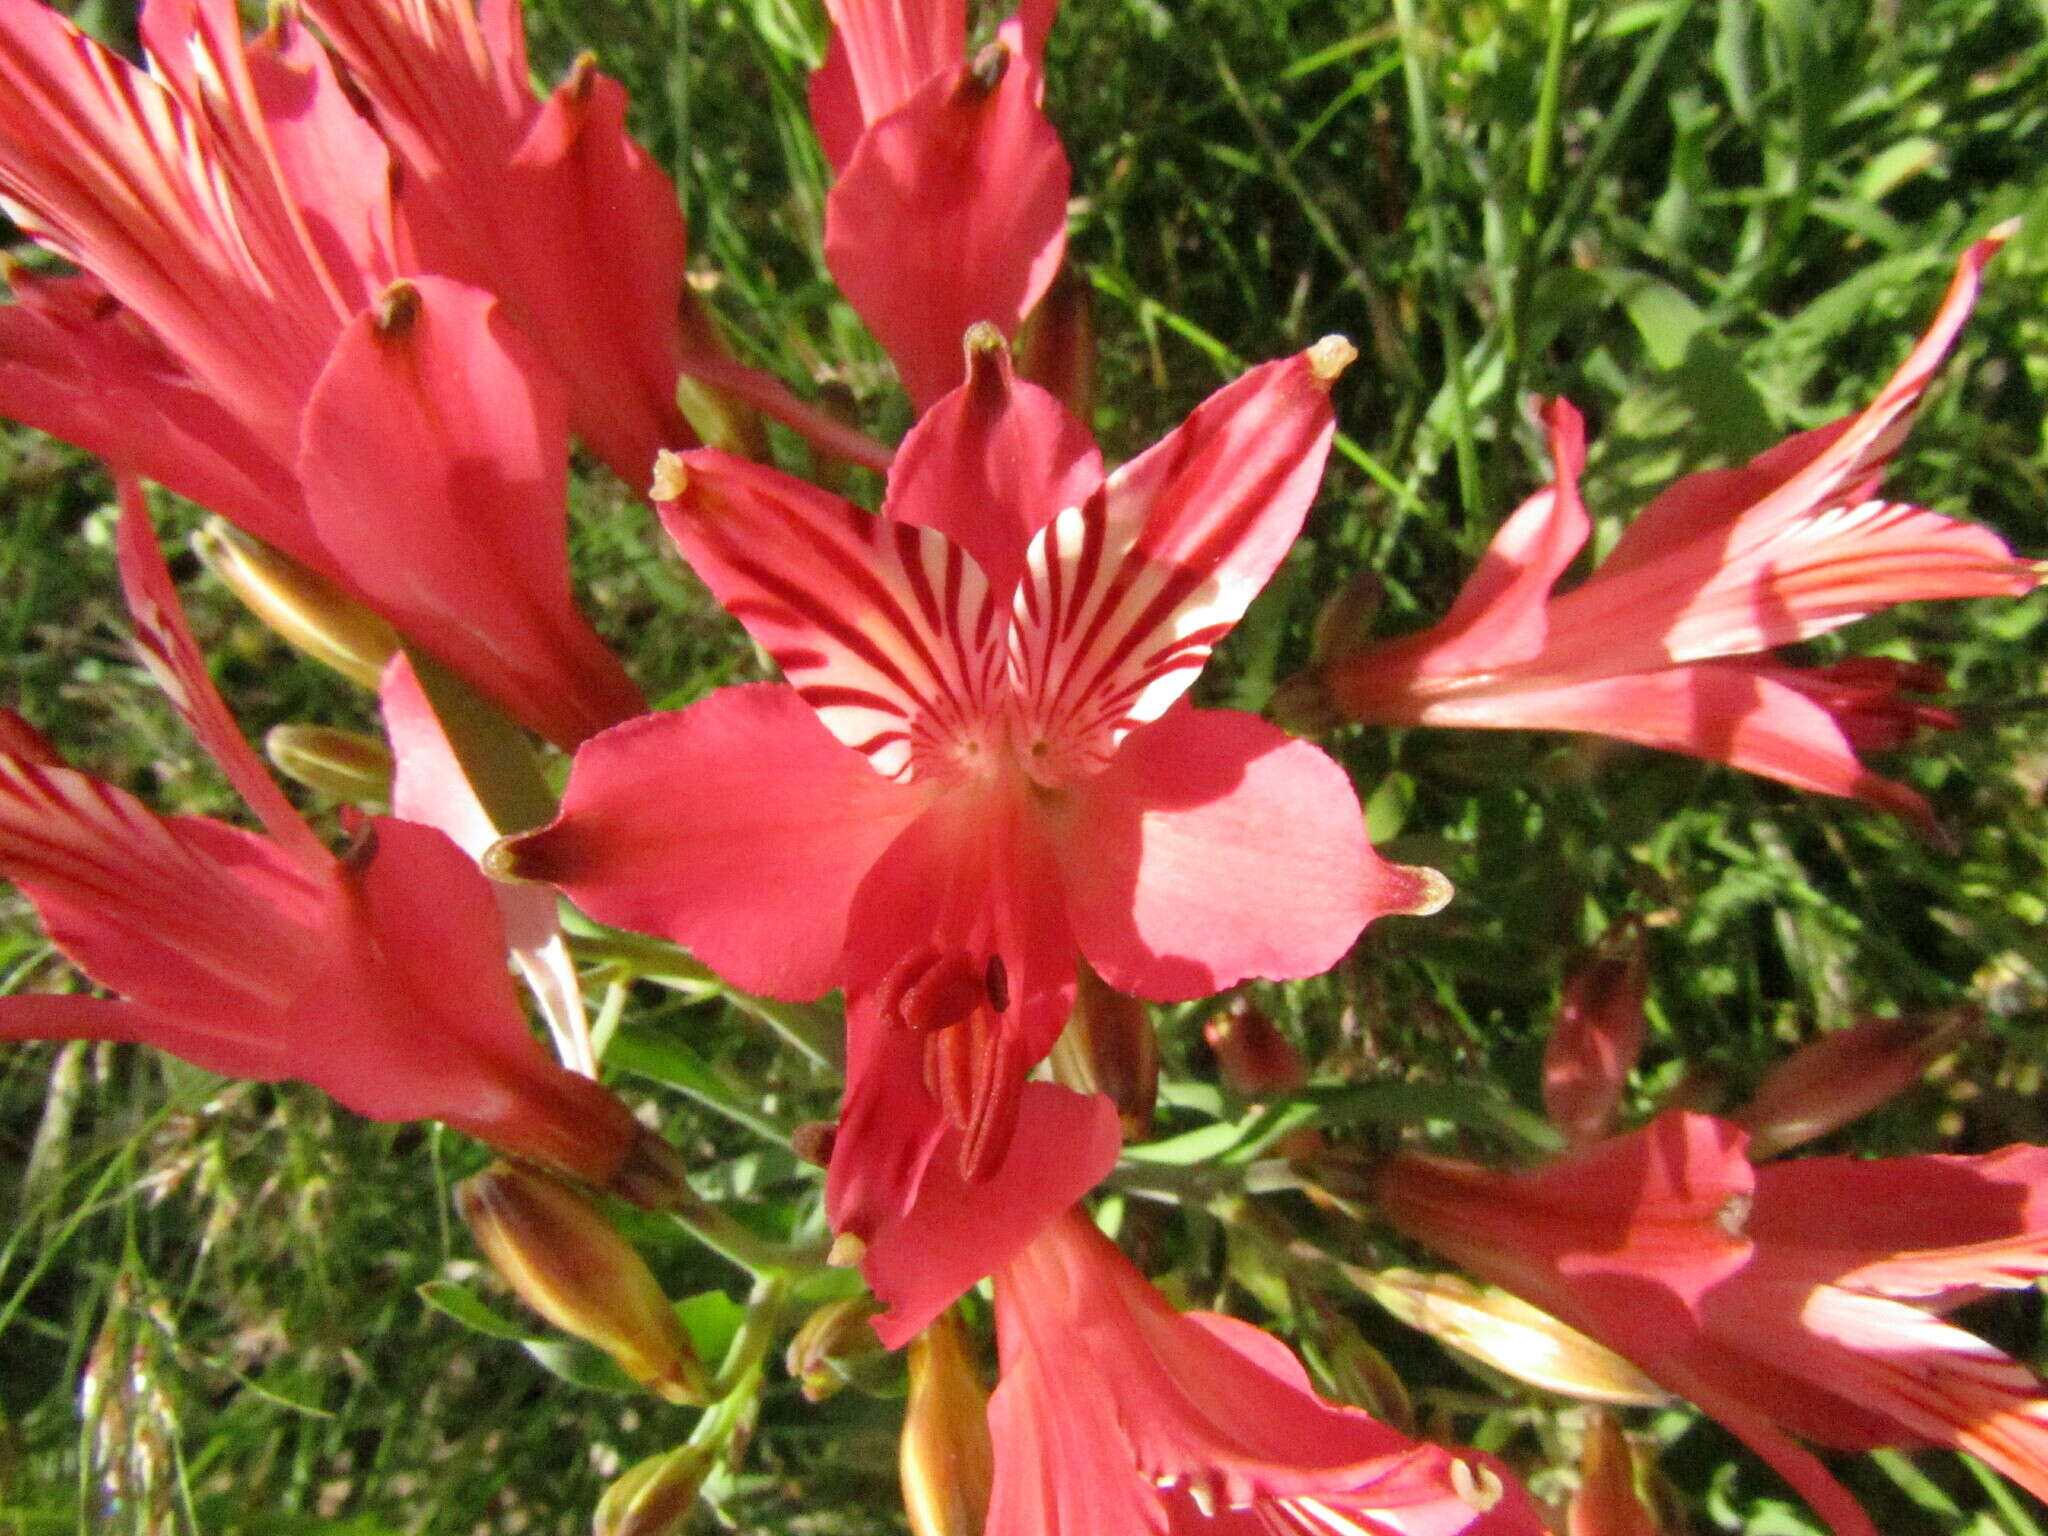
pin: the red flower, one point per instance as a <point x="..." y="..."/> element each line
<point x="1116" y="1413"/>
<point x="1659" y="645"/>
<point x="379" y="976"/>
<point x="1799" y="1298"/>
<point x="951" y="201"/>
<point x="244" y="338"/>
<point x="982" y="765"/>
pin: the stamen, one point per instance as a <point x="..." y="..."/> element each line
<point x="928" y="991"/>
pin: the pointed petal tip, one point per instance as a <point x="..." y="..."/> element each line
<point x="984" y="343"/>
<point x="1330" y="357"/>
<point x="1431" y="890"/>
<point x="671" y="476"/>
<point x="506" y="861"/>
<point x="848" y="1249"/>
<point x="989" y="66"/>
<point x="2002" y="231"/>
<point x="398" y="309"/>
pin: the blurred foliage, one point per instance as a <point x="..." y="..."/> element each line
<point x="1730" y="227"/>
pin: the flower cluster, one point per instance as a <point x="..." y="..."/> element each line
<point x="352" y="285"/>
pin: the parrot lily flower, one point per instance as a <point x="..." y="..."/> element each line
<point x="1660" y="645"/>
<point x="1116" y="1413"/>
<point x="951" y="200"/>
<point x="378" y="976"/>
<point x="245" y="337"/>
<point x="983" y="765"/>
<point x="1793" y="1299"/>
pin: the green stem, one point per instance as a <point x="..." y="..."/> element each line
<point x="815" y="1031"/>
<point x="1526" y="230"/>
<point x="730" y="1240"/>
<point x="1422" y="117"/>
<point x="757" y="1331"/>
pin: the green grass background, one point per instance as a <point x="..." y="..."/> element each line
<point x="1709" y="222"/>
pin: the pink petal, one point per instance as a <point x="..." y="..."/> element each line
<point x="892" y="47"/>
<point x="1124" y="598"/>
<point x="414" y="1015"/>
<point x="165" y="640"/>
<point x="1815" y="470"/>
<point x="888" y="631"/>
<point x="180" y="209"/>
<point x="1499" y="616"/>
<point x="1217" y="847"/>
<point x="333" y="162"/>
<point x="1925" y="1228"/>
<point x="834" y="100"/>
<point x="974" y="875"/>
<point x="77" y="365"/>
<point x="954" y="1233"/>
<point x="253" y="1055"/>
<point x="1792" y="545"/>
<point x="550" y="205"/>
<point x="1725" y="712"/>
<point x="952" y="210"/>
<point x="737" y="827"/>
<point x="434" y="460"/>
<point x="990" y="464"/>
<point x="970" y="882"/>
<point x="428" y="786"/>
<point x="148" y="908"/>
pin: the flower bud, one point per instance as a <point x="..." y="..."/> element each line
<point x="654" y="1497"/>
<point x="1608" y="1501"/>
<point x="1057" y="348"/>
<point x="1361" y="1375"/>
<point x="1253" y="1056"/>
<point x="304" y="609"/>
<point x="573" y="1267"/>
<point x="345" y="764"/>
<point x="1598" y="1036"/>
<point x="946" y="1458"/>
<point x="1343" y="625"/>
<point x="1825" y="1084"/>
<point x="837" y="1348"/>
<point x="720" y="420"/>
<point x="1502" y="1330"/>
<point x="1109" y="1047"/>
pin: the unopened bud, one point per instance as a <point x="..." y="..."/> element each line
<point x="654" y="1497"/>
<point x="572" y="1266"/>
<point x="1361" y="1375"/>
<point x="1057" y="348"/>
<point x="1502" y="1330"/>
<point x="345" y="764"/>
<point x="1109" y="1047"/>
<point x="836" y="1347"/>
<point x="1253" y="1057"/>
<point x="1343" y="625"/>
<point x="720" y="420"/>
<point x="1824" y="1085"/>
<point x="1303" y="705"/>
<point x="305" y="610"/>
<point x="1598" y="1036"/>
<point x="946" y="1458"/>
<point x="1609" y="1501"/>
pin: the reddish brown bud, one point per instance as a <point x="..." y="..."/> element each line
<point x="1057" y="348"/>
<point x="1109" y="1047"/>
<point x="1254" y="1058"/>
<point x="1609" y="1501"/>
<point x="571" y="1265"/>
<point x="946" y="1458"/>
<point x="1597" y="1038"/>
<point x="1841" y="1076"/>
<point x="836" y="1347"/>
<point x="656" y="1496"/>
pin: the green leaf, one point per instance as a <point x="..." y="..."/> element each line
<point x="711" y="1318"/>
<point x="463" y="1304"/>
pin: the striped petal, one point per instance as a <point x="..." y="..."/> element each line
<point x="1124" y="597"/>
<point x="888" y="631"/>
